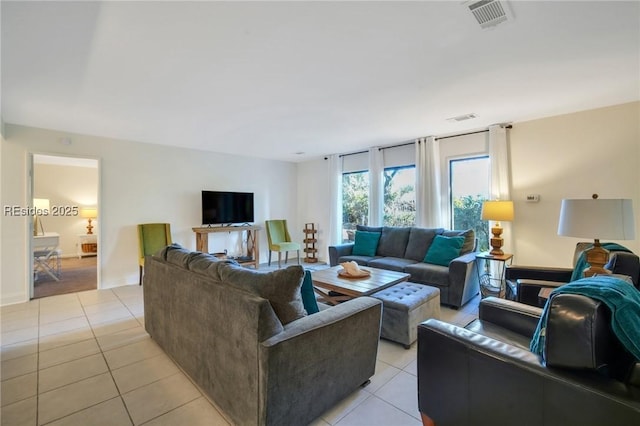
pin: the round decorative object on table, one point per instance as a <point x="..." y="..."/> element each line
<point x="363" y="274"/>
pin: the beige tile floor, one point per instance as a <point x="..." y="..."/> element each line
<point x="85" y="359"/>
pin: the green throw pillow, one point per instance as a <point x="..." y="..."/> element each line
<point x="443" y="250"/>
<point x="366" y="243"/>
<point x="308" y="295"/>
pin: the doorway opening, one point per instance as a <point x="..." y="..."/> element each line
<point x="65" y="230"/>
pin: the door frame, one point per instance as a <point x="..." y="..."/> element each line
<point x="30" y="192"/>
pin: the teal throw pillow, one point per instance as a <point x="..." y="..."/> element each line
<point x="366" y="243"/>
<point x="443" y="250"/>
<point x="308" y="295"/>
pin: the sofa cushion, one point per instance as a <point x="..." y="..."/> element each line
<point x="281" y="288"/>
<point x="427" y="273"/>
<point x="444" y="249"/>
<point x="369" y="228"/>
<point x="469" y="239"/>
<point x="419" y="241"/>
<point x="366" y="243"/>
<point x="360" y="260"/>
<point x="393" y="241"/>
<point x="204" y="263"/>
<point x="176" y="255"/>
<point x="391" y="263"/>
<point x="308" y="295"/>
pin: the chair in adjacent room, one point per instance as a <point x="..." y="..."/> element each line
<point x="151" y="238"/>
<point x="280" y="240"/>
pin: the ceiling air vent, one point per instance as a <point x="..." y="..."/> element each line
<point x="488" y="12"/>
<point x="462" y="117"/>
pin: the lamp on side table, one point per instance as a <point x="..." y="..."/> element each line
<point x="597" y="218"/>
<point x="497" y="211"/>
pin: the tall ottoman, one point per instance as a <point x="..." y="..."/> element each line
<point x="405" y="305"/>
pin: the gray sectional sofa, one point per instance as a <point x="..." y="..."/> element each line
<point x="403" y="249"/>
<point x="244" y="337"/>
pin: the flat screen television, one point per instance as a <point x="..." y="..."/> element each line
<point x="224" y="207"/>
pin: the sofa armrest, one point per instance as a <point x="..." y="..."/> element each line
<point x="463" y="279"/>
<point x="461" y="374"/>
<point x="514" y="272"/>
<point x="335" y="252"/>
<point x="528" y="291"/>
<point x="312" y="354"/>
<point x="517" y="317"/>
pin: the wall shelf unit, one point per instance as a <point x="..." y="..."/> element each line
<point x="310" y="241"/>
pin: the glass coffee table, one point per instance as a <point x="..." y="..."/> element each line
<point x="333" y="288"/>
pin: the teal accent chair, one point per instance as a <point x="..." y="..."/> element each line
<point x="152" y="237"/>
<point x="280" y="240"/>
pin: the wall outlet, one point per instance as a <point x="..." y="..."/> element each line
<point x="533" y="198"/>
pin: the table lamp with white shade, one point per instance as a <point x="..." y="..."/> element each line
<point x="598" y="219"/>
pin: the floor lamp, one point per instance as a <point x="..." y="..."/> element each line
<point x="598" y="219"/>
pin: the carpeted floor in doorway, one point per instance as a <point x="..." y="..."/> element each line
<point x="77" y="275"/>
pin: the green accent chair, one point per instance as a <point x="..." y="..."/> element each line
<point x="280" y="240"/>
<point x="152" y="237"/>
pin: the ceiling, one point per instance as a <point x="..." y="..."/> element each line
<point x="277" y="79"/>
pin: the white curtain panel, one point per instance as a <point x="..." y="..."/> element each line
<point x="376" y="186"/>
<point x="428" y="199"/>
<point x="500" y="183"/>
<point x="335" y="199"/>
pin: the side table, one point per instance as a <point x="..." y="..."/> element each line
<point x="87" y="245"/>
<point x="492" y="279"/>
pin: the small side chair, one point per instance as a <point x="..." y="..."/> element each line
<point x="151" y="238"/>
<point x="280" y="240"/>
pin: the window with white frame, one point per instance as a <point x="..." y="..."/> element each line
<point x="355" y="193"/>
<point x="399" y="196"/>
<point x="355" y="202"/>
<point x="465" y="166"/>
<point x="398" y="192"/>
<point x="469" y="188"/>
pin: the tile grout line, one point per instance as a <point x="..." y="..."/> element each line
<point x="113" y="379"/>
<point x="108" y="369"/>
<point x="38" y="369"/>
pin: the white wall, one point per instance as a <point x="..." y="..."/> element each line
<point x="313" y="202"/>
<point x="566" y="156"/>
<point x="571" y="156"/>
<point x="139" y="183"/>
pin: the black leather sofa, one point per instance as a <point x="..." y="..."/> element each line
<point x="523" y="283"/>
<point x="485" y="374"/>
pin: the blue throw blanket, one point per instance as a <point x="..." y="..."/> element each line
<point x="581" y="263"/>
<point x="622" y="298"/>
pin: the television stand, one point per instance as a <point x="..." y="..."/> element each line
<point x="253" y="246"/>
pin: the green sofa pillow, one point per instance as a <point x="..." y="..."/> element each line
<point x="366" y="243"/>
<point x="308" y="295"/>
<point x="443" y="250"/>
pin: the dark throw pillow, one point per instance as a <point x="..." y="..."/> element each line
<point x="443" y="250"/>
<point x="308" y="295"/>
<point x="366" y="243"/>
